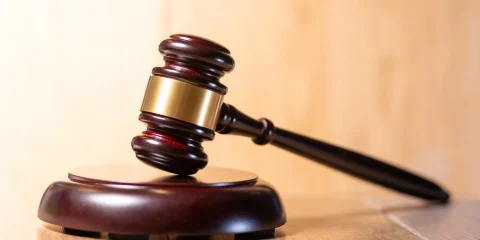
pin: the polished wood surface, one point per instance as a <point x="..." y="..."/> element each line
<point x="138" y="199"/>
<point x="175" y="146"/>
<point x="396" y="79"/>
<point x="233" y="121"/>
<point x="142" y="175"/>
<point x="170" y="144"/>
<point x="372" y="217"/>
<point x="196" y="60"/>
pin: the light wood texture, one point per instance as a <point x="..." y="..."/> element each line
<point x="337" y="219"/>
<point x="396" y="79"/>
<point x="458" y="220"/>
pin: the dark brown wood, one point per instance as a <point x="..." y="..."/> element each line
<point x="262" y="132"/>
<point x="137" y="199"/>
<point x="195" y="60"/>
<point x="141" y="176"/>
<point x="344" y="216"/>
<point x="173" y="145"/>
<point x="141" y="200"/>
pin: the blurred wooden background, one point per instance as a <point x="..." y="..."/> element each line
<point x="399" y="80"/>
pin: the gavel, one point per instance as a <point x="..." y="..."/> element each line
<point x="183" y="106"/>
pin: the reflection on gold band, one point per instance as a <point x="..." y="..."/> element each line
<point x="182" y="101"/>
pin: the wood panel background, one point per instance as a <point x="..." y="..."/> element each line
<point x="399" y="80"/>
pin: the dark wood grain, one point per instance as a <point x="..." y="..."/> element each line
<point x="309" y="218"/>
<point x="137" y="199"/>
<point x="171" y="145"/>
<point x="263" y="131"/>
<point x="174" y="145"/>
<point x="195" y="60"/>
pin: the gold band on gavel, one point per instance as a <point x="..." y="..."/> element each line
<point x="182" y="101"/>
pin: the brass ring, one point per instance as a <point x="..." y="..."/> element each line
<point x="183" y="101"/>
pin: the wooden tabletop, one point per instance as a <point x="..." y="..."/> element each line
<point x="357" y="218"/>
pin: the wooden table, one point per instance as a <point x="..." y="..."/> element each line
<point x="354" y="218"/>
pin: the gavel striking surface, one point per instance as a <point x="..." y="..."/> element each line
<point x="137" y="199"/>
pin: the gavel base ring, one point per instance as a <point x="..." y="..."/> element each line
<point x="137" y="199"/>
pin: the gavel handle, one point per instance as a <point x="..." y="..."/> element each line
<point x="232" y="121"/>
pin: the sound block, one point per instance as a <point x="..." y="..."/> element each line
<point x="138" y="199"/>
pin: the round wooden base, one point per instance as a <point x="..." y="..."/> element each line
<point x="137" y="199"/>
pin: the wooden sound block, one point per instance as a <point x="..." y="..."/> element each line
<point x="137" y="199"/>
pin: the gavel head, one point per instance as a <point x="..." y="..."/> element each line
<point x="182" y="104"/>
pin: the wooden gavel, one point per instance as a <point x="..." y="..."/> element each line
<point x="183" y="106"/>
